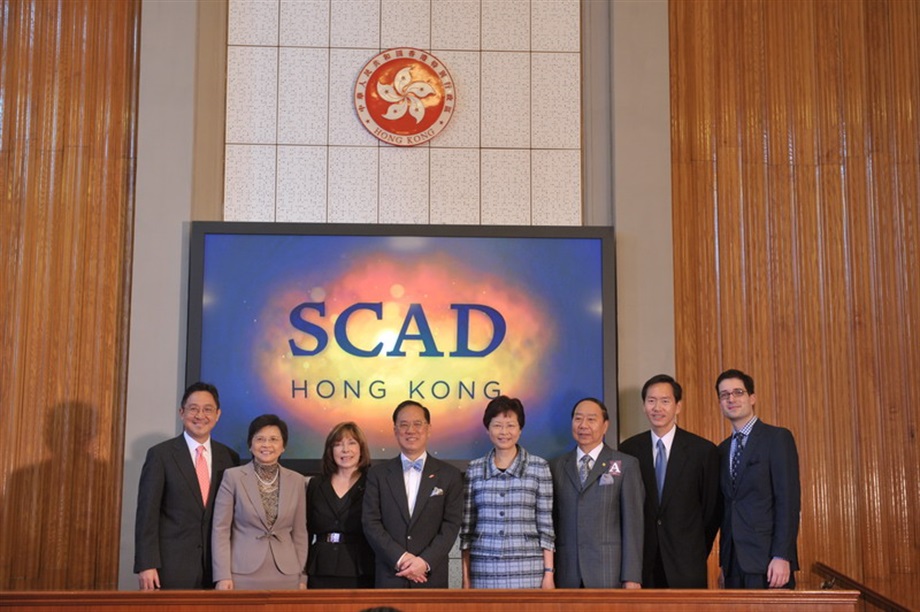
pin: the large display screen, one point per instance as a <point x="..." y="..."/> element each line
<point x="327" y="323"/>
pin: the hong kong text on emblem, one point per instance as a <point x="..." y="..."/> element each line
<point x="405" y="96"/>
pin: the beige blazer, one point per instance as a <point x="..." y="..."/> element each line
<point x="241" y="539"/>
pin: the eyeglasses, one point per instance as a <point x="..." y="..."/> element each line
<point x="735" y="393"/>
<point x="267" y="440"/>
<point x="405" y="426"/>
<point x="195" y="410"/>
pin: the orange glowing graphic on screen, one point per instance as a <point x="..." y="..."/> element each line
<point x="412" y="318"/>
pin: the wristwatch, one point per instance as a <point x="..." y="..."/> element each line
<point x="549" y="570"/>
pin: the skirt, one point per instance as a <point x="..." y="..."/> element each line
<point x="341" y="582"/>
<point x="506" y="573"/>
<point x="267" y="578"/>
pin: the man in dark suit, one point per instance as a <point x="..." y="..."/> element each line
<point x="682" y="520"/>
<point x="413" y="506"/>
<point x="760" y="485"/>
<point x="175" y="498"/>
<point x="597" y="508"/>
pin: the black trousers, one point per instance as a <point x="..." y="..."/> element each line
<point x="735" y="578"/>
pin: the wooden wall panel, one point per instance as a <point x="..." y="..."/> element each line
<point x="68" y="74"/>
<point x="796" y="206"/>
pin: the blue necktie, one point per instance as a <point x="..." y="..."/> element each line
<point x="412" y="465"/>
<point x="736" y="456"/>
<point x="661" y="466"/>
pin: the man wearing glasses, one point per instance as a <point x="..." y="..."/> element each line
<point x="760" y="486"/>
<point x="175" y="498"/>
<point x="413" y="506"/>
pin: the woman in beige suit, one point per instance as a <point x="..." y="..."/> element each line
<point x="259" y="540"/>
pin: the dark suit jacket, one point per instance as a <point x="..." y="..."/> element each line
<point x="761" y="512"/>
<point x="682" y="525"/>
<point x="172" y="530"/>
<point x="429" y="534"/>
<point x="327" y="513"/>
<point x="598" y="527"/>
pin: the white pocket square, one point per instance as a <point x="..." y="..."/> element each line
<point x="436" y="491"/>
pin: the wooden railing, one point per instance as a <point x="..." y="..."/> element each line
<point x="423" y="600"/>
<point x="897" y="593"/>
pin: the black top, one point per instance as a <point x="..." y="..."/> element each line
<point x="328" y="513"/>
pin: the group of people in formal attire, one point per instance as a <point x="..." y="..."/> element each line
<point x="643" y="516"/>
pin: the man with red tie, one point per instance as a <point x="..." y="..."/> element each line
<point x="175" y="498"/>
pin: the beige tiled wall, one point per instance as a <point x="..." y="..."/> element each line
<point x="511" y="154"/>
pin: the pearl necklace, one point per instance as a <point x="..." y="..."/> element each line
<point x="267" y="483"/>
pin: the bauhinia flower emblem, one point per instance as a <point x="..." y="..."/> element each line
<point x="404" y="94"/>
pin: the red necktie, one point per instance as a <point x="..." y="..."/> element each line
<point x="204" y="477"/>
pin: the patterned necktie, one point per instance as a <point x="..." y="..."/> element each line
<point x="661" y="466"/>
<point x="736" y="456"/>
<point x="204" y="478"/>
<point x="584" y="468"/>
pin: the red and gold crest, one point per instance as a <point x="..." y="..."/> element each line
<point x="405" y="96"/>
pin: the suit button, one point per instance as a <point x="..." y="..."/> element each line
<point x="659" y="522"/>
<point x="501" y="513"/>
<point x="408" y="537"/>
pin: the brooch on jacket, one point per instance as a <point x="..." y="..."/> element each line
<point x="615" y="469"/>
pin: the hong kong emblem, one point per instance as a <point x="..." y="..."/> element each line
<point x="405" y="96"/>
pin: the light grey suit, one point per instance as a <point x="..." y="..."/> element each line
<point x="599" y="527"/>
<point x="241" y="538"/>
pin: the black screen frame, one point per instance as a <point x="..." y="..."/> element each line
<point x="199" y="230"/>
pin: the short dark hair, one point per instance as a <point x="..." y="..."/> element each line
<point x="599" y="403"/>
<point x="267" y="420"/>
<point x="406" y="404"/>
<point x="201" y="386"/>
<point x="503" y="405"/>
<point x="338" y="432"/>
<point x="745" y="379"/>
<point x="658" y="379"/>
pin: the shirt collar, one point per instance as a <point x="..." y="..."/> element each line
<point x="667" y="438"/>
<point x="595" y="452"/>
<point x="423" y="457"/>
<point x="193" y="444"/>
<point x="746" y="430"/>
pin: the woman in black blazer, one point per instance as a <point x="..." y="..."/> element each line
<point x="340" y="557"/>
